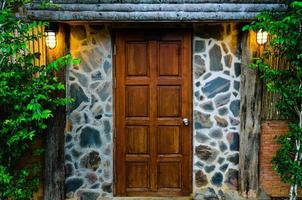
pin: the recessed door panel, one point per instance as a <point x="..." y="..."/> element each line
<point x="169" y="58"/>
<point x="169" y="175"/>
<point x="137" y="175"/>
<point x="169" y="101"/>
<point x="137" y="101"/>
<point x="169" y="140"/>
<point x="137" y="139"/>
<point x="136" y="59"/>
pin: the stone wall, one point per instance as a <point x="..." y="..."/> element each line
<point x="216" y="79"/>
<point x="88" y="148"/>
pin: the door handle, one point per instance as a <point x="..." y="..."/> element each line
<point x="185" y="121"/>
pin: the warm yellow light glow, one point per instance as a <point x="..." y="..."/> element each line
<point x="51" y="41"/>
<point x="262" y="37"/>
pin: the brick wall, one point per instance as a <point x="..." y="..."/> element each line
<point x="269" y="180"/>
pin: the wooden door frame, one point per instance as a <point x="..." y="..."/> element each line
<point x="114" y="104"/>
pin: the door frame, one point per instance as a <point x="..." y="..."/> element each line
<point x="114" y="103"/>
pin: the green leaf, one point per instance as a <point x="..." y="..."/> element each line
<point x="29" y="95"/>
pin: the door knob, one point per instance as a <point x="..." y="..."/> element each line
<point x="185" y="121"/>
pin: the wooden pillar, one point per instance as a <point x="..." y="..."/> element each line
<point x="54" y="173"/>
<point x="251" y="91"/>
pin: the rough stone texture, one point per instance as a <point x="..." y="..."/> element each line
<point x="221" y="121"/>
<point x="232" y="179"/>
<point x="222" y="99"/>
<point x="216" y="133"/>
<point x="216" y="86"/>
<point x="201" y="179"/>
<point x="228" y="60"/>
<point x="216" y="113"/>
<point x="77" y="93"/>
<point x="235" y="107"/>
<point x="88" y="195"/>
<point x="90" y="137"/>
<point x="200" y="46"/>
<point x="216" y="110"/>
<point x="208" y="106"/>
<point x="202" y="120"/>
<point x="91" y="161"/>
<point x="233" y="159"/>
<point x="73" y="184"/>
<point x="88" y="148"/>
<point x="233" y="139"/>
<point x="206" y="153"/>
<point x="215" y="58"/>
<point x="217" y="179"/>
<point x="199" y="66"/>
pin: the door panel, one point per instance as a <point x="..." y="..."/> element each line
<point x="169" y="175"/>
<point x="153" y="94"/>
<point x="169" y="59"/>
<point x="168" y="140"/>
<point x="169" y="104"/>
<point x="137" y="175"/>
<point x="137" y="101"/>
<point x="136" y="58"/>
<point x="137" y="139"/>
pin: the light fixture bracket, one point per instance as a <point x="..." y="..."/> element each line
<point x="52" y="27"/>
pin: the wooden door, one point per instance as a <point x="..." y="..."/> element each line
<point x="153" y="95"/>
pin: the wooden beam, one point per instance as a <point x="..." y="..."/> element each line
<point x="250" y="117"/>
<point x="161" y="7"/>
<point x="163" y="1"/>
<point x="149" y="16"/>
<point x="54" y="173"/>
<point x="164" y="11"/>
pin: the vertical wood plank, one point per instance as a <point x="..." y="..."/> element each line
<point x="250" y="117"/>
<point x="54" y="174"/>
<point x="153" y="57"/>
<point x="120" y="102"/>
<point x="187" y="111"/>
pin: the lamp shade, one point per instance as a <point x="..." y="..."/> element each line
<point x="50" y="33"/>
<point x="262" y="37"/>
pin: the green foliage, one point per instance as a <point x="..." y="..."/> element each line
<point x="46" y="4"/>
<point x="285" y="46"/>
<point x="28" y="97"/>
<point x="286" y="155"/>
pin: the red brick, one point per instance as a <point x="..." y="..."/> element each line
<point x="269" y="180"/>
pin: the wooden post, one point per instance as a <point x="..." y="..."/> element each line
<point x="250" y="109"/>
<point x="54" y="173"/>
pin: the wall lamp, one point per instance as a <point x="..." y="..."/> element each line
<point x="262" y="37"/>
<point x="50" y="33"/>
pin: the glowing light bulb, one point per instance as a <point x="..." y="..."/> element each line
<point x="51" y="41"/>
<point x="262" y="37"/>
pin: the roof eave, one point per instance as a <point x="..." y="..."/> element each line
<point x="121" y="12"/>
